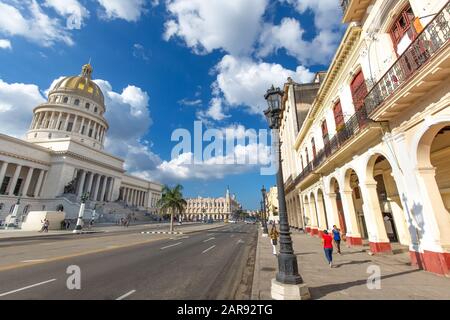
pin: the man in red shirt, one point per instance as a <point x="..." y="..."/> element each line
<point x="327" y="242"/>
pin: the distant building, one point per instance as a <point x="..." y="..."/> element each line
<point x="211" y="208"/>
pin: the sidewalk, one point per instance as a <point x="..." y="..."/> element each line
<point x="347" y="280"/>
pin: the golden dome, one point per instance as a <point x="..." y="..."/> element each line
<point x="81" y="85"/>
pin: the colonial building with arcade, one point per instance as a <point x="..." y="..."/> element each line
<point x="63" y="157"/>
<point x="370" y="152"/>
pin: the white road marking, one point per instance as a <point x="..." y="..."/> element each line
<point x="172" y="245"/>
<point x="126" y="295"/>
<point x="240" y="241"/>
<point x="209" y="249"/>
<point x="231" y="236"/>
<point x="35" y="260"/>
<point x="27" y="287"/>
<point x="209" y="239"/>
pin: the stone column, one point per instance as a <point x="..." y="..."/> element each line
<point x="353" y="235"/>
<point x="58" y="121"/>
<point x="111" y="189"/>
<point x="81" y="126"/>
<point x="89" y="183"/>
<point x="3" y="172"/>
<point x="96" y="187"/>
<point x="27" y="181"/>
<point x="13" y="184"/>
<point x="66" y="123"/>
<point x="330" y="204"/>
<point x="81" y="184"/>
<point x="378" y="240"/>
<point x="37" y="188"/>
<point x="102" y="195"/>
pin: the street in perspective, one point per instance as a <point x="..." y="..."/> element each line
<point x="217" y="151"/>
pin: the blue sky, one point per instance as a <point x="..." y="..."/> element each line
<point x="164" y="65"/>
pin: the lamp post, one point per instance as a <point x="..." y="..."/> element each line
<point x="264" y="212"/>
<point x="79" y="225"/>
<point x="288" y="283"/>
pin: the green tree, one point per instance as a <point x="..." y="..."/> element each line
<point x="172" y="202"/>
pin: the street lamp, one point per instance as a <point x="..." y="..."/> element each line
<point x="288" y="283"/>
<point x="264" y="212"/>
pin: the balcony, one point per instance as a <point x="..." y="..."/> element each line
<point x="354" y="10"/>
<point x="412" y="75"/>
<point x="357" y="129"/>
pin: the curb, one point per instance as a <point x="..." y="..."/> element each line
<point x="256" y="276"/>
<point x="160" y="232"/>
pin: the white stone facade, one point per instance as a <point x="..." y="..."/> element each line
<point x="62" y="158"/>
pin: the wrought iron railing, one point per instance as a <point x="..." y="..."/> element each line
<point x="351" y="128"/>
<point x="425" y="46"/>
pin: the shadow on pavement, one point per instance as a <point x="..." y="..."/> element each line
<point x="322" y="291"/>
<point x="352" y="262"/>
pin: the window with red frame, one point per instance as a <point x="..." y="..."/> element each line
<point x="307" y="156"/>
<point x="338" y="115"/>
<point x="359" y="90"/>
<point x="313" y="145"/>
<point x="401" y="26"/>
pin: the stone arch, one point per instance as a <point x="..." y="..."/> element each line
<point x="353" y="201"/>
<point x="380" y="173"/>
<point x="314" y="214"/>
<point x="320" y="197"/>
<point x="431" y="147"/>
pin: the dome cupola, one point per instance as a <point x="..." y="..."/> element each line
<point x="75" y="109"/>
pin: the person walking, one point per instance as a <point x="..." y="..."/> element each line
<point x="274" y="238"/>
<point x="328" y="247"/>
<point x="46" y="225"/>
<point x="337" y="238"/>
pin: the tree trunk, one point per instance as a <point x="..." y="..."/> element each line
<point x="171" y="220"/>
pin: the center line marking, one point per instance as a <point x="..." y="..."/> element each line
<point x="209" y="249"/>
<point x="126" y="295"/>
<point x="208" y="239"/>
<point x="172" y="245"/>
<point x="27" y="287"/>
<point x="35" y="260"/>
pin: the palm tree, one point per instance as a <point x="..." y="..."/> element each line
<point x="172" y="201"/>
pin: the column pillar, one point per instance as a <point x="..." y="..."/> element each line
<point x="111" y="189"/>
<point x="378" y="240"/>
<point x="102" y="195"/>
<point x="321" y="213"/>
<point x="96" y="187"/>
<point x="330" y="204"/>
<point x="308" y="221"/>
<point x="81" y="126"/>
<point x="14" y="180"/>
<point x="81" y="185"/>
<point x="27" y="182"/>
<point x="37" y="188"/>
<point x="89" y="184"/>
<point x="353" y="235"/>
<point x="66" y="123"/>
<point x="3" y="172"/>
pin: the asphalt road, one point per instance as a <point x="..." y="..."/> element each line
<point x="202" y="265"/>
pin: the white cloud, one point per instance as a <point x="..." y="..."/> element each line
<point x="129" y="10"/>
<point x="190" y="103"/>
<point x="17" y="101"/>
<point x="32" y="23"/>
<point x="71" y="9"/>
<point x="289" y="35"/>
<point x="243" y="81"/>
<point x="5" y="44"/>
<point x="215" y="24"/>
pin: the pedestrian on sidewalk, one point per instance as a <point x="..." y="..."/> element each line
<point x="274" y="238"/>
<point x="46" y="224"/>
<point x="327" y="243"/>
<point x="337" y="238"/>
